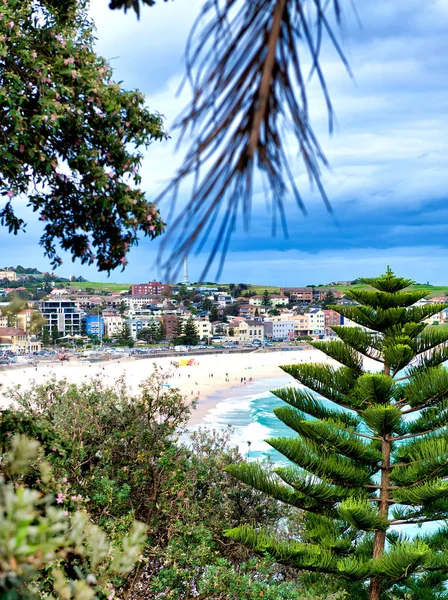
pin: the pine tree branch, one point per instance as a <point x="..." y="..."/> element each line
<point x="417" y="521"/>
<point x="364" y="435"/>
<point x="413" y="435"/>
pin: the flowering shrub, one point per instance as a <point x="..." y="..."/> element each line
<point x="47" y="550"/>
<point x="71" y="137"/>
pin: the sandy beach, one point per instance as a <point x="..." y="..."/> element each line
<point x="210" y="373"/>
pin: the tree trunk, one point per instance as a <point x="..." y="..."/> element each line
<point x="380" y="536"/>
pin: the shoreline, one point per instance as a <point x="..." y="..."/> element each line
<point x="210" y="375"/>
<point x="211" y="379"/>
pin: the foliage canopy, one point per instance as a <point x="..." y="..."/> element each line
<point x="71" y="137"/>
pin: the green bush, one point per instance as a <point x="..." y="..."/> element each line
<point x="122" y="457"/>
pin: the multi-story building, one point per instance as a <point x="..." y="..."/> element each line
<point x="316" y="319"/>
<point x="247" y="330"/>
<point x="153" y="288"/>
<point x="136" y="302"/>
<point x="301" y="325"/>
<point x="18" y="341"/>
<point x="85" y="302"/>
<point x="62" y="314"/>
<point x="276" y="300"/>
<point x="94" y="325"/>
<point x="113" y="323"/>
<point x="170" y="325"/>
<point x="24" y="319"/>
<point x="331" y="318"/>
<point x="249" y="311"/>
<point x="298" y="294"/>
<point x="279" y="330"/>
<point x="204" y="328"/>
<point x="135" y="325"/>
<point x="9" y="275"/>
<point x="224" y="299"/>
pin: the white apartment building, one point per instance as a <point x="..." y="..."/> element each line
<point x="224" y="299"/>
<point x="204" y="328"/>
<point x="61" y="314"/>
<point x="316" y="319"/>
<point x="275" y="300"/>
<point x="281" y="330"/>
<point x="138" y="323"/>
<point x="138" y="302"/>
<point x="113" y="324"/>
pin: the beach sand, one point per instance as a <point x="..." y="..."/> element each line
<point x="212" y="373"/>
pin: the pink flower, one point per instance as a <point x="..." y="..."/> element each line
<point x="123" y="260"/>
<point x="134" y="169"/>
<point x="33" y="54"/>
<point x="21" y="148"/>
<point x="54" y="448"/>
<point x="74" y="74"/>
<point x="70" y="60"/>
<point x="79" y="111"/>
<point x="11" y="24"/>
<point x="45" y="118"/>
<point x="111" y="175"/>
<point x="127" y="123"/>
<point x="60" y="498"/>
<point x="53" y="118"/>
<point x="64" y="480"/>
<point x="151" y="228"/>
<point x="10" y="194"/>
<point x="149" y="218"/>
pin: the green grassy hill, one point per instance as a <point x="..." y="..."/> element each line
<point x="433" y="290"/>
<point x="97" y="286"/>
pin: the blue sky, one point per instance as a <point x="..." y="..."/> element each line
<point x="388" y="154"/>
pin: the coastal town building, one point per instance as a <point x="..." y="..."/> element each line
<point x="18" y="341"/>
<point x="278" y="330"/>
<point x="170" y="325"/>
<point x="331" y="318"/>
<point x="136" y="302"/>
<point x="9" y="275"/>
<point x="247" y="330"/>
<point x="276" y="300"/>
<point x="94" y="325"/>
<point x="316" y="318"/>
<point x="61" y="314"/>
<point x="113" y="323"/>
<point x="153" y="288"/>
<point x="24" y="319"/>
<point x="298" y="294"/>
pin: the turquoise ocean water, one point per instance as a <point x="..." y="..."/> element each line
<point x="249" y="411"/>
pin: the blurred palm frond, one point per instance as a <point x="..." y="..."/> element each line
<point x="244" y="65"/>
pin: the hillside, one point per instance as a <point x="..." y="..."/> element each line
<point x="97" y="286"/>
